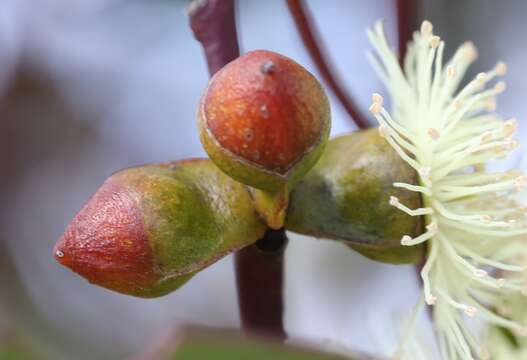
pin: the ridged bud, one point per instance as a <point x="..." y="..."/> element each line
<point x="148" y="229"/>
<point x="346" y="197"/>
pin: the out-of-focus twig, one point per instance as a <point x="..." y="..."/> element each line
<point x="407" y="18"/>
<point x="214" y="26"/>
<point x="316" y="49"/>
<point x="259" y="267"/>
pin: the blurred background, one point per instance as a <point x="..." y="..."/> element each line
<point x="90" y="87"/>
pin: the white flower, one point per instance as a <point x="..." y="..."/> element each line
<point x="474" y="226"/>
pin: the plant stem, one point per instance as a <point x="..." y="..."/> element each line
<point x="259" y="276"/>
<point x="259" y="267"/>
<point x="315" y="47"/>
<point x="407" y="17"/>
<point x="214" y="26"/>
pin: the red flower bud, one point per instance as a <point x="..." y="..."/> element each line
<point x="147" y="230"/>
<point x="264" y="120"/>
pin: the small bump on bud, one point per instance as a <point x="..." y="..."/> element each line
<point x="268" y="67"/>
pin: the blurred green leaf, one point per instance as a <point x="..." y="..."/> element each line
<point x="12" y="350"/>
<point x="222" y="344"/>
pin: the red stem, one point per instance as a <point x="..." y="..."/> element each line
<point x="214" y="26"/>
<point x="259" y="271"/>
<point x="315" y="47"/>
<point x="259" y="267"/>
<point x="407" y="17"/>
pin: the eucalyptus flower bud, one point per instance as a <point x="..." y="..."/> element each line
<point x="346" y="197"/>
<point x="148" y="229"/>
<point x="264" y="120"/>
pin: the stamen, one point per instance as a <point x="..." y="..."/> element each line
<point x="394" y="201"/>
<point x="500" y="87"/>
<point x="487" y="219"/>
<point x="480" y="273"/>
<point x="375" y="108"/>
<point x="406" y="240"/>
<point x="490" y="104"/>
<point x="457" y="103"/>
<point x="431" y="300"/>
<point x="510" y="127"/>
<point x="433" y="133"/>
<point x="500" y="68"/>
<point x="416" y="188"/>
<point x="471" y="311"/>
<point x="376" y="98"/>
<point x="481" y="78"/>
<point x="426" y="28"/>
<point x="435" y="41"/>
<point x="383" y="130"/>
<point x="451" y="71"/>
<point x="471" y="52"/>
<point x="432" y="227"/>
<point x="473" y="225"/>
<point x="485" y="137"/>
<point x="425" y="171"/>
<point x="520" y="182"/>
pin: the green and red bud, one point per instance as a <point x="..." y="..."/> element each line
<point x="264" y="120"/>
<point x="346" y="197"/>
<point x="147" y="230"/>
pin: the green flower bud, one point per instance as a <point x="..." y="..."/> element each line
<point x="148" y="229"/>
<point x="346" y="197"/>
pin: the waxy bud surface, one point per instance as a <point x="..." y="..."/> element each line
<point x="346" y="197"/>
<point x="264" y="120"/>
<point x="148" y="229"/>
